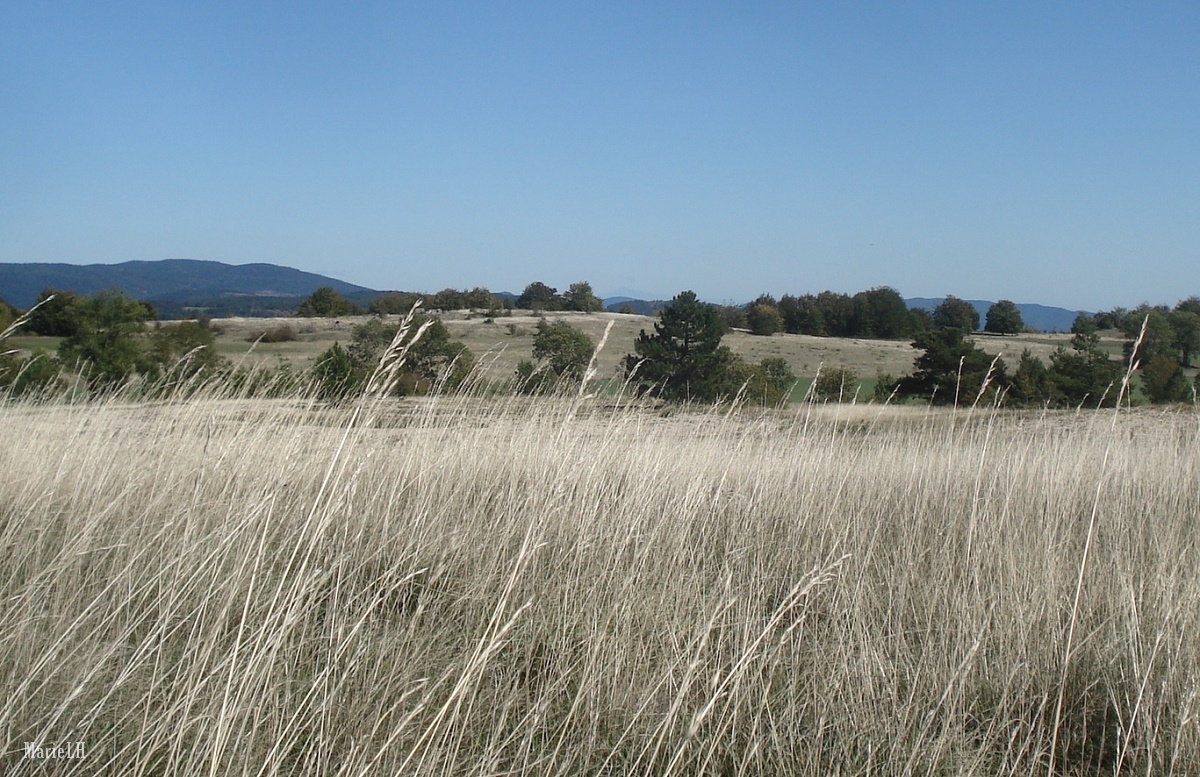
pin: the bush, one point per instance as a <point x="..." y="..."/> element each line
<point x="185" y="350"/>
<point x="61" y="316"/>
<point x="333" y="374"/>
<point x="35" y="373"/>
<point x="1163" y="381"/>
<point x="564" y="349"/>
<point x="768" y="383"/>
<point x="885" y="384"/>
<point x="8" y="314"/>
<point x="839" y="384"/>
<point x="278" y="334"/>
<point x="533" y="380"/>
<point x="267" y="382"/>
<point x="106" y="339"/>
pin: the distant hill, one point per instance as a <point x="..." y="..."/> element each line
<point x="176" y="281"/>
<point x="1042" y="317"/>
<point x="643" y="307"/>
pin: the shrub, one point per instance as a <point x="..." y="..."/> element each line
<point x="839" y="384"/>
<point x="333" y="374"/>
<point x="22" y="376"/>
<point x="1163" y="381"/>
<point x="278" y="334"/>
<point x="564" y="349"/>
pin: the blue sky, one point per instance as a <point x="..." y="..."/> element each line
<point x="1044" y="152"/>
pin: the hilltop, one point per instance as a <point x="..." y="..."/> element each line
<point x="167" y="281"/>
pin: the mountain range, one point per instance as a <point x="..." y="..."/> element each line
<point x="174" y="285"/>
<point x="1040" y="317"/>
<point x="168" y="280"/>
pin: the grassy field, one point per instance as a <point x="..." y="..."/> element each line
<point x="500" y="343"/>
<point x="455" y="586"/>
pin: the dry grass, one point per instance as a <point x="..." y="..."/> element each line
<point x="466" y="587"/>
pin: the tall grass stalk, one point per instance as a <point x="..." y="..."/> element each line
<point x="223" y="585"/>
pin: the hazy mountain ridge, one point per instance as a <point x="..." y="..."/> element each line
<point x="1043" y="317"/>
<point x="178" y="287"/>
<point x="167" y="280"/>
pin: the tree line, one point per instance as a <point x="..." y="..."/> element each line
<point x="108" y="340"/>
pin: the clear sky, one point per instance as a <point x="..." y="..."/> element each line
<point x="1038" y="151"/>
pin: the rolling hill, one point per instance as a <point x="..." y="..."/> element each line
<point x="166" y="281"/>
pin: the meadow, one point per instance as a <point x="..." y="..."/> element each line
<point x="499" y="343"/>
<point x="587" y="585"/>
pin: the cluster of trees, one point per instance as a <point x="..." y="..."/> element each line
<point x="109" y="340"/>
<point x="106" y="340"/>
<point x="1170" y="343"/>
<point x="578" y="296"/>
<point x="683" y="360"/>
<point x="879" y="313"/>
<point x="537" y="296"/>
<point x="327" y="302"/>
<point x="951" y="368"/>
<point x="434" y="360"/>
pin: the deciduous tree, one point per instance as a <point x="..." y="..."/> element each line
<point x="107" y="342"/>
<point x="565" y="349"/>
<point x="763" y="318"/>
<point x="1163" y="381"/>
<point x="955" y="313"/>
<point x="326" y="302"/>
<point x="539" y="296"/>
<point x="1004" y="318"/>
<point x="579" y="296"/>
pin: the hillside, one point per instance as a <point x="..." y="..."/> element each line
<point x="166" y="281"/>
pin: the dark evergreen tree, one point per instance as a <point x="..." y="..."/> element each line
<point x="1085" y="374"/>
<point x="951" y="369"/>
<point x="683" y="359"/>
<point x="1032" y="384"/>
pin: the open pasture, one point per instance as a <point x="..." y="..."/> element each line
<point x="460" y="586"/>
<point x="501" y="342"/>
